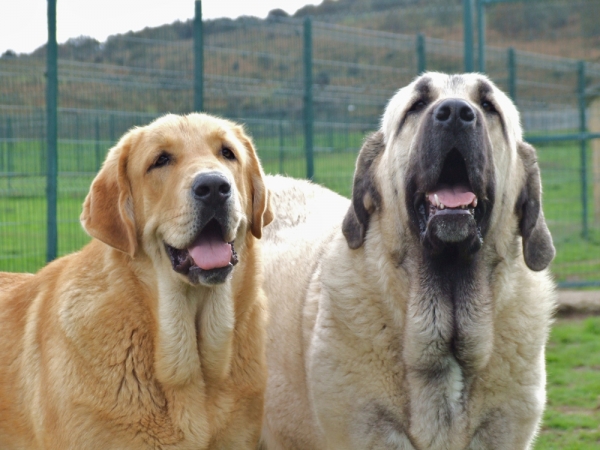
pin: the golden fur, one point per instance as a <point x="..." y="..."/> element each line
<point x="399" y="335"/>
<point x="109" y="347"/>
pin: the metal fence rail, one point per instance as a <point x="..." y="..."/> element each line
<point x="308" y="92"/>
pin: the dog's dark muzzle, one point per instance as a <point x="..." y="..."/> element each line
<point x="450" y="188"/>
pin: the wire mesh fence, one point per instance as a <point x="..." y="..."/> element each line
<point x="308" y="100"/>
<point x="568" y="29"/>
<point x="254" y="74"/>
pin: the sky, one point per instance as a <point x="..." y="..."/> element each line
<point x="23" y="23"/>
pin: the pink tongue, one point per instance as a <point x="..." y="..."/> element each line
<point x="210" y="251"/>
<point x="453" y="196"/>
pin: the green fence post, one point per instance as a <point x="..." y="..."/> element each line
<point x="3" y="150"/>
<point x="512" y="74"/>
<point x="97" y="136"/>
<point x="583" y="146"/>
<point x="51" y="135"/>
<point x="468" y="34"/>
<point x="198" y="59"/>
<point x="43" y="154"/>
<point x="308" y="100"/>
<point x="78" y="156"/>
<point x="10" y="149"/>
<point x="421" y="59"/>
<point x="111" y="129"/>
<point x="281" y="155"/>
<point x="481" y="34"/>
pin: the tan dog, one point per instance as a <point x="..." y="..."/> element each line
<point x="416" y="315"/>
<point x="149" y="337"/>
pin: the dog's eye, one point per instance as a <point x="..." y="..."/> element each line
<point x="417" y="106"/>
<point x="488" y="106"/>
<point x="227" y="153"/>
<point x="163" y="159"/>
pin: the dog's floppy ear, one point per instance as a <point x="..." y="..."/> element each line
<point x="365" y="196"/>
<point x="262" y="214"/>
<point x="108" y="210"/>
<point x="538" y="249"/>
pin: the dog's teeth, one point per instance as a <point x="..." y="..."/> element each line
<point x="437" y="200"/>
<point x="463" y="206"/>
<point x="474" y="203"/>
<point x="442" y="206"/>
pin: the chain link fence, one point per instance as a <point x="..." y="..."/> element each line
<point x="308" y="91"/>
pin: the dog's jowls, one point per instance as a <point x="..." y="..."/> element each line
<point x="414" y="316"/>
<point x="151" y="336"/>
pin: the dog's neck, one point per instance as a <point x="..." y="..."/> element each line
<point x="195" y="331"/>
<point x="449" y="339"/>
<point x="447" y="327"/>
<point x="449" y="308"/>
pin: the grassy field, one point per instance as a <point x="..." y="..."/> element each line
<point x="23" y="206"/>
<point x="572" y="417"/>
<point x="578" y="258"/>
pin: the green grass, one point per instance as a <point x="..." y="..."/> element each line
<point x="23" y="208"/>
<point x="572" y="417"/>
<point x="577" y="259"/>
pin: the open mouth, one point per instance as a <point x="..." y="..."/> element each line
<point x="209" y="258"/>
<point x="452" y="194"/>
<point x="450" y="212"/>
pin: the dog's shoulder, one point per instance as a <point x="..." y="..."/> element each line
<point x="300" y="202"/>
<point x="9" y="280"/>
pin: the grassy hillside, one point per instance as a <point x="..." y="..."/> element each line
<point x="555" y="27"/>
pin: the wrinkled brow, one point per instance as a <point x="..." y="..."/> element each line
<point x="485" y="91"/>
<point x="423" y="87"/>
<point x="423" y="92"/>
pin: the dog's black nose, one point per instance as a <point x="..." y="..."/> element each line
<point x="454" y="112"/>
<point x="212" y="188"/>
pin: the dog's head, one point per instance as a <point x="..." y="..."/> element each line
<point x="451" y="151"/>
<point x="184" y="189"/>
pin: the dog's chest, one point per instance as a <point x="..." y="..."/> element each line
<point x="448" y="340"/>
<point x="423" y="413"/>
<point x="438" y="406"/>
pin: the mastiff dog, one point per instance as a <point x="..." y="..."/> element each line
<point x="414" y="316"/>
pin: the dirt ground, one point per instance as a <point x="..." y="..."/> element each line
<point x="578" y="302"/>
